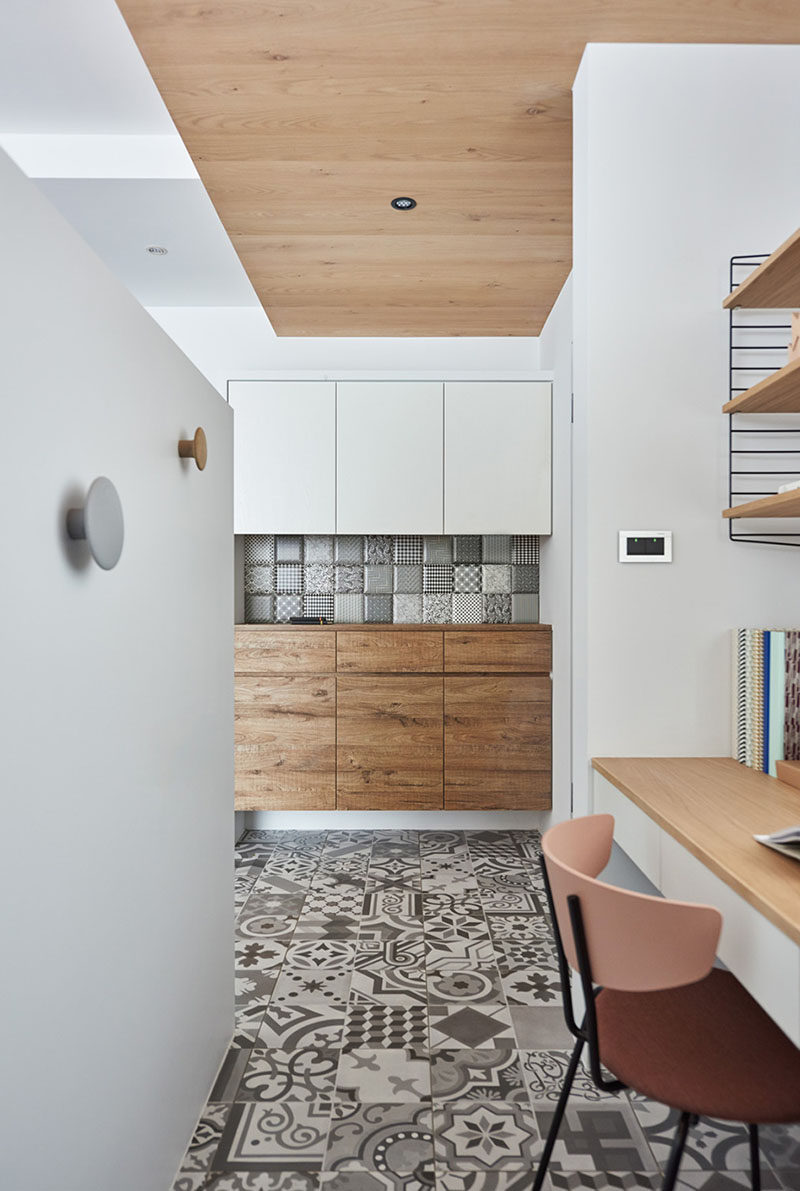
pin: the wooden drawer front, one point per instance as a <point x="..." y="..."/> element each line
<point x="389" y="652"/>
<point x="310" y="651"/>
<point x="389" y="751"/>
<point x="497" y="742"/>
<point x="477" y="650"/>
<point x="285" y="736"/>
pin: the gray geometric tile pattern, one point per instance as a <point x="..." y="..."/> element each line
<point x="425" y="1047"/>
<point x="481" y="571"/>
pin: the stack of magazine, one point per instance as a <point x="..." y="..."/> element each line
<point x="766" y="697"/>
<point x="787" y="841"/>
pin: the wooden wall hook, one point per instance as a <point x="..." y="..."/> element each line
<point x="195" y="448"/>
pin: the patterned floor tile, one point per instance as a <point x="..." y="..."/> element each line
<point x="484" y="1135"/>
<point x="190" y="1180"/>
<point x="395" y="866"/>
<point x="393" y="898"/>
<point x="377" y="955"/>
<point x="455" y="928"/>
<point x="253" y="989"/>
<point x="390" y="926"/>
<point x="272" y="1180"/>
<point x="526" y="986"/>
<point x="732" y="1180"/>
<point x="520" y="928"/>
<point x="533" y="954"/>
<point x="473" y="987"/>
<point x="717" y="1145"/>
<point x="604" y="1180"/>
<point x="460" y="954"/>
<point x="421" y="1179"/>
<point x="279" y="883"/>
<point x="339" y="879"/>
<point x="230" y="1075"/>
<point x="483" y="1180"/>
<point x="255" y="923"/>
<point x="321" y="953"/>
<point x="483" y="1074"/>
<point x="388" y="1138"/>
<point x="544" y="1072"/>
<point x="389" y="986"/>
<point x="206" y="1137"/>
<point x="326" y="926"/>
<point x="471" y="1027"/>
<point x="604" y="1136"/>
<point x="273" y="1074"/>
<point x="312" y="986"/>
<point x="372" y="1076"/>
<point x="540" y="1027"/>
<point x="497" y="899"/>
<point x="377" y="1025"/>
<point x="781" y="1145"/>
<point x="442" y="842"/>
<point x="259" y="955"/>
<point x="308" y="1027"/>
<point x="284" y="1136"/>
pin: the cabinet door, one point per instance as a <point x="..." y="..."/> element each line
<point x="389" y="457"/>
<point x="497" y="446"/>
<point x="389" y="748"/>
<point x="284" y="456"/>
<point x="497" y="742"/>
<point x="285" y="731"/>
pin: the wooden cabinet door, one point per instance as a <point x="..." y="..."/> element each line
<point x="389" y="457"/>
<point x="285" y="731"/>
<point x="284" y="448"/>
<point x="497" y="742"/>
<point x="389" y="749"/>
<point x="497" y="448"/>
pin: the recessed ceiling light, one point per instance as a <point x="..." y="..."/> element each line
<point x="403" y="203"/>
<point x="156" y="250"/>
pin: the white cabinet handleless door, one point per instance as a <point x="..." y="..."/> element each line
<point x="284" y="456"/>
<point x="389" y="457"/>
<point x="497" y="446"/>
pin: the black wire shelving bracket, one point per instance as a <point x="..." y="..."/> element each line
<point x="757" y="342"/>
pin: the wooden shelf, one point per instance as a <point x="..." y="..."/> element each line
<point x="775" y="284"/>
<point x="783" y="504"/>
<point x="778" y="394"/>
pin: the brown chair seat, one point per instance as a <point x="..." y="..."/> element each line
<point x="706" y="1048"/>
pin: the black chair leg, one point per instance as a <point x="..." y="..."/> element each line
<point x="755" y="1158"/>
<point x="558" y="1115"/>
<point x="676" y="1153"/>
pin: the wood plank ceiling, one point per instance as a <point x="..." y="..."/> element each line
<point x="306" y="117"/>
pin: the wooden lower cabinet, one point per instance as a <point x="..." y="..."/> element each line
<point x="497" y="742"/>
<point x="389" y="748"/>
<point x="285" y="731"/>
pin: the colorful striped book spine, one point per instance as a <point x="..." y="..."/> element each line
<point x="765" y="703"/>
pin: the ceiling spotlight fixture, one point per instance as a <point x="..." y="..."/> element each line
<point x="403" y="203"/>
<point x="156" y="250"/>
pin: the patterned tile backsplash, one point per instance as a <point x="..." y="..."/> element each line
<point x="380" y="579"/>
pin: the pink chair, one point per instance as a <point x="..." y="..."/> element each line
<point x="659" y="1016"/>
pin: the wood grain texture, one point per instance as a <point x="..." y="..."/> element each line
<point x="777" y="394"/>
<point x="304" y="120"/>
<point x="497" y="732"/>
<point x="388" y="652"/>
<point x="473" y="651"/>
<point x="782" y="504"/>
<point x="713" y="806"/>
<point x="389" y="742"/>
<point x="774" y="284"/>
<point x="285" y="739"/>
<point x="788" y="772"/>
<point x="292" y="652"/>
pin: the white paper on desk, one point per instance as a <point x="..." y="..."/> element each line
<point x="787" y="841"/>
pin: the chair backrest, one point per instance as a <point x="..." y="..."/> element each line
<point x="636" y="943"/>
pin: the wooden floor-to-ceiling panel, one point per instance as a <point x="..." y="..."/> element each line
<point x="306" y="119"/>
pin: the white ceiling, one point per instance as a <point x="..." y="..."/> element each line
<point x="120" y="218"/>
<point x="72" y="66"/>
<point x="75" y="92"/>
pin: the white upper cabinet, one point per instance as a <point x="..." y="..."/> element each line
<point x="389" y="457"/>
<point x="284" y="456"/>
<point x="497" y="447"/>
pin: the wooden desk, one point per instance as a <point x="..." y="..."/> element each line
<point x="688" y="823"/>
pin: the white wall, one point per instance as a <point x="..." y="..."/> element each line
<point x="674" y="173"/>
<point x="555" y="576"/>
<point x="116" y="759"/>
<point x="236" y="342"/>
